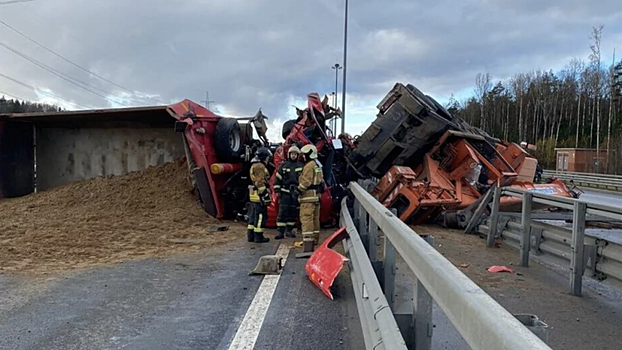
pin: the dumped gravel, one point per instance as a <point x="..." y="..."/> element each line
<point x="110" y="219"/>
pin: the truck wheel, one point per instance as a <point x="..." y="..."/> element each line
<point x="421" y="96"/>
<point x="228" y="140"/>
<point x="287" y="128"/>
<point x="440" y="109"/>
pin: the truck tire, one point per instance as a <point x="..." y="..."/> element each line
<point x="440" y="109"/>
<point x="287" y="128"/>
<point x="228" y="140"/>
<point x="421" y="96"/>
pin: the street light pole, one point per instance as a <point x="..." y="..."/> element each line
<point x="333" y="101"/>
<point x="345" y="60"/>
<point x="336" y="67"/>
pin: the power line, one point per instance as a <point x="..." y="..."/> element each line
<point x="40" y="91"/>
<point x="12" y="96"/>
<point x="71" y="80"/>
<point x="14" y="2"/>
<point x="65" y="77"/>
<point x="70" y="61"/>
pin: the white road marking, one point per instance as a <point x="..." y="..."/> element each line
<point x="247" y="333"/>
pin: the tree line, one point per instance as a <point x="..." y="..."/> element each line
<point x="579" y="106"/>
<point x="16" y="106"/>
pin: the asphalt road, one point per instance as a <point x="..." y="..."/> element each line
<point x="601" y="197"/>
<point x="194" y="301"/>
<point x="598" y="197"/>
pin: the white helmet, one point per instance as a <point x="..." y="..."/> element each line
<point x="309" y="151"/>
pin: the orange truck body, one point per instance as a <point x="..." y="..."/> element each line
<point x="456" y="173"/>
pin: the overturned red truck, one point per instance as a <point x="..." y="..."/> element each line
<point x="416" y="157"/>
<point x="219" y="151"/>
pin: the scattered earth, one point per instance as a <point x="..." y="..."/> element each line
<point x="104" y="220"/>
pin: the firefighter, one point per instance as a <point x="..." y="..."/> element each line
<point x="310" y="187"/>
<point x="259" y="196"/>
<point x="286" y="187"/>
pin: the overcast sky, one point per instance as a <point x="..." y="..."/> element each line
<point x="270" y="54"/>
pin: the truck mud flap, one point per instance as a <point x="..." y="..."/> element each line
<point x="325" y="264"/>
<point x="205" y="191"/>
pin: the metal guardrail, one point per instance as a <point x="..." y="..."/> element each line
<point x="380" y="329"/>
<point x="601" y="181"/>
<point x="482" y="322"/>
<point x="601" y="259"/>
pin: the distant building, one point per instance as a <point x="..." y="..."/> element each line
<point x="582" y="160"/>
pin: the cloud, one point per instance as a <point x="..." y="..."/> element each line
<point x="270" y="54"/>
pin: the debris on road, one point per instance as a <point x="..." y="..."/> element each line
<point x="325" y="264"/>
<point x="215" y="228"/>
<point x="464" y="266"/>
<point x="268" y="265"/>
<point x="104" y="220"/>
<point x="499" y="268"/>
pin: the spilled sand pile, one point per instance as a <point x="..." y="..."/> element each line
<point x="111" y="219"/>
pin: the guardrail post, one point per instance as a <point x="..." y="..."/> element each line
<point x="525" y="244"/>
<point x="373" y="241"/>
<point x="390" y="255"/>
<point x="355" y="212"/>
<point x="494" y="218"/>
<point x="578" y="243"/>
<point x="361" y="225"/>
<point x="423" y="312"/>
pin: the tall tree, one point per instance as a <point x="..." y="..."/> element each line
<point x="482" y="86"/>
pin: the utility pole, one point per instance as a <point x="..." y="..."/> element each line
<point x="345" y="60"/>
<point x="336" y="67"/>
<point x="207" y="101"/>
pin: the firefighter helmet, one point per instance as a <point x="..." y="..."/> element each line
<point x="263" y="153"/>
<point x="293" y="149"/>
<point x="310" y="151"/>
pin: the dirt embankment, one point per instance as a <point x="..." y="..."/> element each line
<point x="146" y="213"/>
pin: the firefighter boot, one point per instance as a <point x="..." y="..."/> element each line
<point x="281" y="234"/>
<point x="289" y="231"/>
<point x="250" y="235"/>
<point x="259" y="238"/>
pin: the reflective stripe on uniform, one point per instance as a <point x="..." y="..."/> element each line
<point x="284" y="190"/>
<point x="279" y="176"/>
<point x="308" y="236"/>
<point x="291" y="223"/>
<point x="258" y="229"/>
<point x="298" y="169"/>
<point x="310" y="197"/>
<point x="253" y="195"/>
<point x="281" y="224"/>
